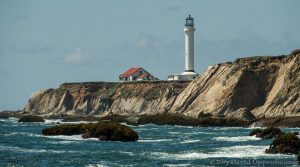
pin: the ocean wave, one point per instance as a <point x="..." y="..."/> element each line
<point x="23" y="133"/>
<point x="154" y="140"/>
<point x="72" y="137"/>
<point x="10" y="119"/>
<point x="62" y="142"/>
<point x="189" y="141"/>
<point x="177" y="165"/>
<point x="227" y="128"/>
<point x="196" y="133"/>
<point x="53" y="121"/>
<point x="248" y="151"/>
<point x="236" y="139"/>
<point x="96" y="165"/>
<point x="26" y="150"/>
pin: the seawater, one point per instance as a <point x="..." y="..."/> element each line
<point x="22" y="144"/>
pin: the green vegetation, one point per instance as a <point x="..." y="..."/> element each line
<point x="151" y="94"/>
<point x="295" y="52"/>
<point x="59" y="91"/>
<point x="111" y="91"/>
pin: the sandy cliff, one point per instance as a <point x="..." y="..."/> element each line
<point x="248" y="87"/>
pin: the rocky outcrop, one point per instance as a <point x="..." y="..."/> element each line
<point x="103" y="130"/>
<point x="31" y="118"/>
<point x="288" y="143"/>
<point x="267" y="133"/>
<point x="247" y="88"/>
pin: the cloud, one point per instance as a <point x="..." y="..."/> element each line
<point x="172" y="9"/>
<point x="77" y="56"/>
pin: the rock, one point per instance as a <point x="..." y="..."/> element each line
<point x="87" y="134"/>
<point x="179" y="119"/>
<point x="278" y="121"/>
<point x="267" y="133"/>
<point x="102" y="137"/>
<point x="64" y="130"/>
<point x="103" y="130"/>
<point x="242" y="113"/>
<point x="288" y="143"/>
<point x="31" y="118"/>
<point x="4" y="115"/>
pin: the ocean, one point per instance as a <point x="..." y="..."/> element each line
<point x="22" y="144"/>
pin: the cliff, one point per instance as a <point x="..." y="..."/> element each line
<point x="247" y="88"/>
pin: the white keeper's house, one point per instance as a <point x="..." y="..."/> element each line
<point x="136" y="74"/>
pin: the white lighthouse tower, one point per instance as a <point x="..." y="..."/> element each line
<point x="189" y="73"/>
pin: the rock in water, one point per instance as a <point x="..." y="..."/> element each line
<point x="103" y="130"/>
<point x="288" y="143"/>
<point x="31" y="118"/>
<point x="267" y="133"/>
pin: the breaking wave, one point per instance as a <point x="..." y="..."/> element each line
<point x="154" y="140"/>
<point x="189" y="141"/>
<point x="247" y="151"/>
<point x="26" y="150"/>
<point x="236" y="139"/>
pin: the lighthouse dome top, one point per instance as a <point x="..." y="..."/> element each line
<point x="189" y="21"/>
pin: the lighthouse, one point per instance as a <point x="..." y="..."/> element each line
<point x="189" y="44"/>
<point x="189" y="72"/>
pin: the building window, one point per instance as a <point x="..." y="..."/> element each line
<point x="141" y="72"/>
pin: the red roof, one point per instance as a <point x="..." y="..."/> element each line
<point x="130" y="71"/>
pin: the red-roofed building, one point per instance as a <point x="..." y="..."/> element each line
<point x="136" y="74"/>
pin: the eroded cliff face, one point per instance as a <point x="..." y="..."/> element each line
<point x="100" y="98"/>
<point x="248" y="87"/>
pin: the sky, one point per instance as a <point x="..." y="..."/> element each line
<point x="44" y="43"/>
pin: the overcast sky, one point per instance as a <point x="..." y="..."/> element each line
<point x="46" y="43"/>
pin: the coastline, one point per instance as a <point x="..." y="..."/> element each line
<point x="174" y="119"/>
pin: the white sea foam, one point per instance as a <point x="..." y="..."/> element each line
<point x="72" y="138"/>
<point x="154" y="140"/>
<point x="53" y="121"/>
<point x="185" y="126"/>
<point x="127" y="153"/>
<point x="23" y="133"/>
<point x="63" y="142"/>
<point x="189" y="141"/>
<point x="173" y="133"/>
<point x="247" y="151"/>
<point x="26" y="150"/>
<point x="177" y="165"/>
<point x="96" y="165"/>
<point x="226" y="128"/>
<point x="236" y="139"/>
